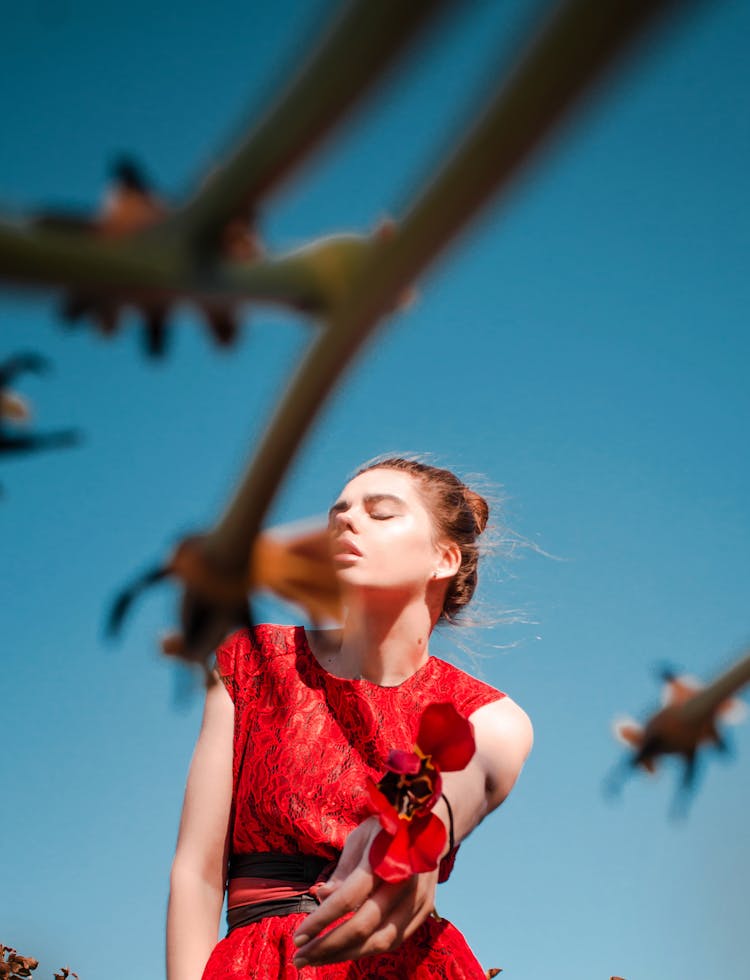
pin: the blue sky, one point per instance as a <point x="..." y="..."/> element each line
<point x="584" y="346"/>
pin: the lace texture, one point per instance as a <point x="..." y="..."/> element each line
<point x="304" y="743"/>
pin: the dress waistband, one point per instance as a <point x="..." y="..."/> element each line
<point x="273" y="884"/>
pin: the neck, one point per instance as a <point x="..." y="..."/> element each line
<point x="385" y="645"/>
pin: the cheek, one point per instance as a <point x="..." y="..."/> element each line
<point x="406" y="551"/>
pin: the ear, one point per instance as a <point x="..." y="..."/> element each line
<point x="448" y="560"/>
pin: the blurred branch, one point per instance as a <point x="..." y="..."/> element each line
<point x="688" y="721"/>
<point x="361" y="44"/>
<point x="353" y="283"/>
<point x="565" y="60"/>
<point x="171" y="261"/>
<point x="708" y="700"/>
<point x="144" y="268"/>
<point x="293" y="562"/>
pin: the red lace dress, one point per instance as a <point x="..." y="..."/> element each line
<point x="313" y="740"/>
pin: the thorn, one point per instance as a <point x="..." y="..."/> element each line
<point x="156" y="332"/>
<point x="125" y="599"/>
<point x="223" y="327"/>
<point x="129" y="174"/>
<point x="24" y="363"/>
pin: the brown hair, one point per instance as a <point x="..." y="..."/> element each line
<point x="458" y="513"/>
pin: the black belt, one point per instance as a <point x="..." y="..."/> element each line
<point x="301" y="870"/>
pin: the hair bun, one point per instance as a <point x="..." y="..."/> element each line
<point x="479" y="508"/>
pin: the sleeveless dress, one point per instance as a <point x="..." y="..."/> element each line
<point x="306" y="741"/>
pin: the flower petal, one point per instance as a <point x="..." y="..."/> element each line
<point x="415" y="847"/>
<point x="389" y="855"/>
<point x="437" y="790"/>
<point x="447" y="736"/>
<point x="382" y="808"/>
<point x="427" y="837"/>
<point x="403" y="762"/>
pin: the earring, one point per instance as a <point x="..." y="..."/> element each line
<point x="434" y="574"/>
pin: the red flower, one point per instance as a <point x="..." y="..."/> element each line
<point x="412" y="837"/>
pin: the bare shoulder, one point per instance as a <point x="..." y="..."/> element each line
<point x="218" y="712"/>
<point x="503" y="718"/>
<point x="504" y="737"/>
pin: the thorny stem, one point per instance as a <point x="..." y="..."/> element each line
<point x="704" y="703"/>
<point x="149" y="267"/>
<point x="168" y="261"/>
<point x="361" y="44"/>
<point x="568" y="56"/>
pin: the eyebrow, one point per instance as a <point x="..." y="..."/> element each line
<point x="371" y="498"/>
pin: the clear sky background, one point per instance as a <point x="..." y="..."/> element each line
<point x="584" y="347"/>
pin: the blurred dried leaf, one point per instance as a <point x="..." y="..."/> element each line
<point x="298" y="568"/>
<point x="293" y="564"/>
<point x="15" y="966"/>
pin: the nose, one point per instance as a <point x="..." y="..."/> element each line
<point x="343" y="520"/>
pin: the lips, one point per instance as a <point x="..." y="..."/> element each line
<point x="344" y="548"/>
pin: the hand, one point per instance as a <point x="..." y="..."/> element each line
<point x="383" y="915"/>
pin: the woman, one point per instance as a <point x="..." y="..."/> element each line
<point x="301" y="723"/>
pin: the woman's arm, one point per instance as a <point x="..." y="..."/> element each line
<point x="503" y="736"/>
<point x="199" y="868"/>
<point x="387" y="914"/>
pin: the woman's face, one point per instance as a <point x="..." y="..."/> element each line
<point x="382" y="535"/>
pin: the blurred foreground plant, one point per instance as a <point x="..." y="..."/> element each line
<point x="129" y="211"/>
<point x="15" y="409"/>
<point x="139" y="252"/>
<point x="687" y="721"/>
<point x="292" y="562"/>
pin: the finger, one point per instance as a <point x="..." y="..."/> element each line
<point x="380" y="925"/>
<point x="382" y="940"/>
<point x="336" y="944"/>
<point x="348" y="861"/>
<point x="354" y="855"/>
<point x="348" y="895"/>
<point x="346" y="865"/>
<point x="324" y="889"/>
